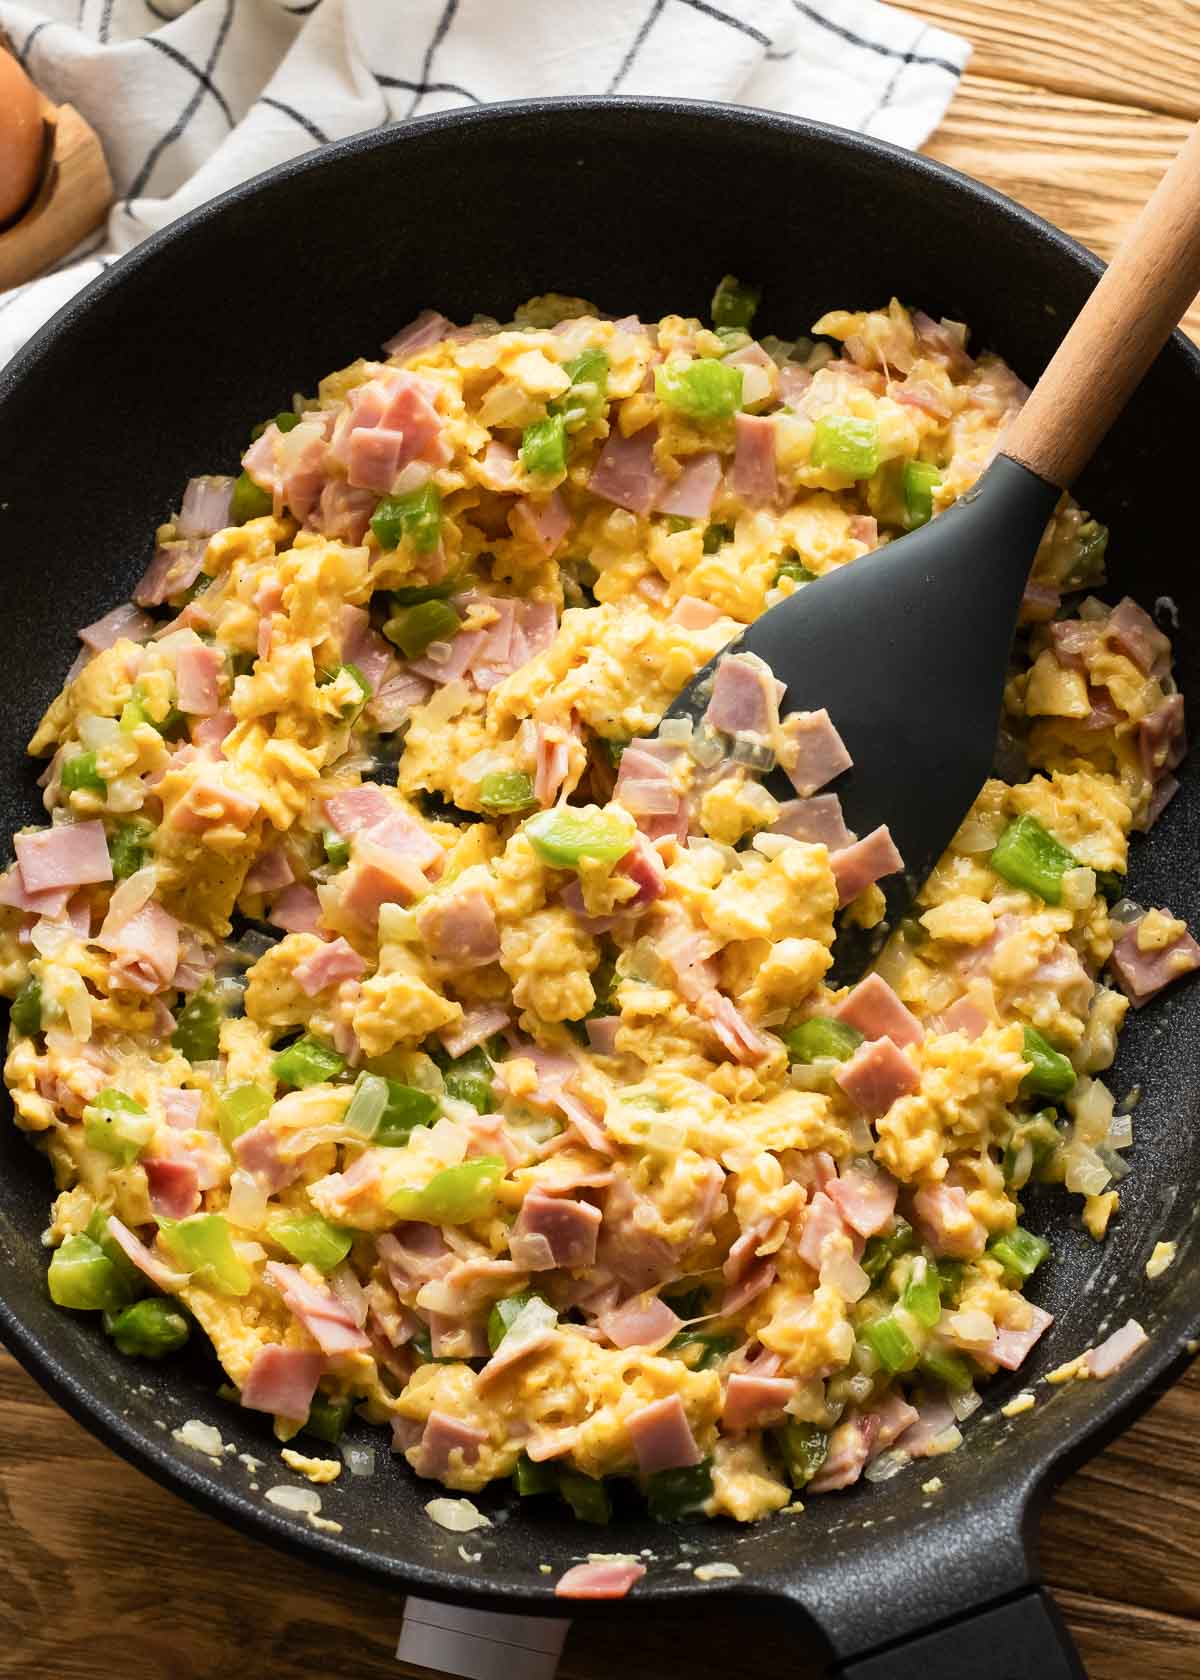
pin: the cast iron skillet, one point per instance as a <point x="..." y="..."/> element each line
<point x="156" y="373"/>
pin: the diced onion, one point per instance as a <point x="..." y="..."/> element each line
<point x="841" y="1270"/>
<point x="345" y="1285"/>
<point x="448" y="1142"/>
<point x="1126" y="910"/>
<point x="962" y="1405"/>
<point x="971" y="1328"/>
<point x="887" y="1465"/>
<point x="975" y="836"/>
<point x="129" y="897"/>
<point x="247" y="1200"/>
<point x="1078" y="888"/>
<point x="50" y="939"/>
<point x="97" y="732"/>
<point x="812" y="1076"/>
<point x="1086" y="1174"/>
<point x="303" y="1500"/>
<point x="360" y="1460"/>
<point x="1118" y="1168"/>
<point x="412" y="477"/>
<point x="675" y="729"/>
<point x="770" y="845"/>
<point x="1120" y="1131"/>
<point x="757" y="383"/>
<point x="707" y="748"/>
<point x="125" y="794"/>
<point x="1092" y="610"/>
<point x="448" y="701"/>
<point x="458" y="1515"/>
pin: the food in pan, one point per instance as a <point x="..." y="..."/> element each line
<point x="399" y="1004"/>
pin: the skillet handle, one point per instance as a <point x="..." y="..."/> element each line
<point x="1021" y="1638"/>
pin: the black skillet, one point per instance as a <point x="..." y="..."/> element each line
<point x="155" y="374"/>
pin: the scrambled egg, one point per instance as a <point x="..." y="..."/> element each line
<point x="422" y="1101"/>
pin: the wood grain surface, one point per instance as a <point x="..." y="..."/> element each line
<point x="1073" y="107"/>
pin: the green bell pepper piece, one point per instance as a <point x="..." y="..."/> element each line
<point x="128" y="846"/>
<point x="701" y="1349"/>
<point x="337" y="850"/>
<point x="881" y="1251"/>
<point x="1050" y="1073"/>
<point x="819" y="1039"/>
<point x="890" y="1343"/>
<point x="415" y="594"/>
<point x="417" y="516"/>
<point x="197" y="1032"/>
<point x="80" y="773"/>
<point x="544" y="447"/>
<point x="249" y="500"/>
<point x="117" y="1125"/>
<point x="804" y="1448"/>
<point x="796" y="570"/>
<point x="585" y="402"/>
<point x="1019" y="1251"/>
<point x="586" y="1496"/>
<point x="148" y="1329"/>
<point x="920" y="481"/>
<point x="307" y="1062"/>
<point x="239" y="1109"/>
<point x="674" y="1494"/>
<point x="414" y="628"/>
<point x="202" y="1245"/>
<point x="716" y="536"/>
<point x="505" y="1314"/>
<point x="83" y="1278"/>
<point x="947" y="1368"/>
<point x="703" y="390"/>
<point x="565" y="836"/>
<point x="469" y="1079"/>
<point x="26" y="1011"/>
<point x="327" y="1419"/>
<point x="312" y="1240"/>
<point x="386" y="1111"/>
<point x="842" y="444"/>
<point x="922" y="1295"/>
<point x="454" y="1196"/>
<point x="530" y="1479"/>
<point x="1028" y="857"/>
<point x="734" y="303"/>
<point x="503" y="792"/>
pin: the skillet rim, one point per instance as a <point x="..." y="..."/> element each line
<point x="1120" y="1400"/>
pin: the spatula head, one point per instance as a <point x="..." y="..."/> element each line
<point x="907" y="649"/>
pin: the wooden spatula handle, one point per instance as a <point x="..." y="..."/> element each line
<point x="1118" y="332"/>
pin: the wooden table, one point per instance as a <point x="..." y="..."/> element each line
<point x="1074" y="107"/>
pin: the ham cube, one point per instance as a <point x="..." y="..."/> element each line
<point x="213" y="802"/>
<point x="283" y="1381"/>
<point x="646" y="1321"/>
<point x="947" y="1224"/>
<point x="379" y="877"/>
<point x="817" y="821"/>
<point x="849" y="1450"/>
<point x="297" y="909"/>
<point x="459" y="929"/>
<point x="442" y="1436"/>
<point x="745" y="697"/>
<point x="810" y="751"/>
<point x="1135" y="634"/>
<point x="691" y="495"/>
<point x="857" y="867"/>
<point x="68" y="855"/>
<point x="875" y="1010"/>
<point x="544" y="523"/>
<point x="661" y="1436"/>
<point x="754" y="474"/>
<point x="610" y="1579"/>
<point x="756" y="1402"/>
<point x="1011" y="1348"/>
<point x="198" y="669"/>
<point x="877" y="1075"/>
<point x="866" y="1201"/>
<point x="567" y="1228"/>
<point x="625" y="473"/>
<point x="333" y="963"/>
<point x="1142" y="974"/>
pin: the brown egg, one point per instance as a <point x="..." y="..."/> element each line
<point x="20" y="138"/>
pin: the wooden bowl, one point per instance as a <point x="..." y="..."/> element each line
<point x="72" y="198"/>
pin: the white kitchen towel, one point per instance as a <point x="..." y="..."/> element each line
<point x="192" y="96"/>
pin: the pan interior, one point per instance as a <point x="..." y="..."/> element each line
<point x="639" y="207"/>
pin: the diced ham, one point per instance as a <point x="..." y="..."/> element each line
<point x="323" y="1315"/>
<point x="743" y="1042"/>
<point x="210" y="802"/>
<point x="1105" y="712"/>
<point x="693" y="613"/>
<point x="756" y="1402"/>
<point x="1142" y="974"/>
<point x="857" y="867"/>
<point x="644" y="785"/>
<point x="661" y="1436"/>
<point x="205" y="508"/>
<point x="849" y="1450"/>
<point x="759" y="1277"/>
<point x="817" y="821"/>
<point x="51" y="904"/>
<point x="875" y="1010"/>
<point x="625" y="473"/>
<point x="297" y="909"/>
<point x="446" y="662"/>
<point x="388" y="424"/>
<point x="333" y="963"/>
<point x="270" y="872"/>
<point x="498" y="468"/>
<point x="566" y="1228"/>
<point x="1039" y="603"/>
<point x="745" y="697"/>
<point x="645" y="1321"/>
<point x="1136" y="635"/>
<point x="602" y="1034"/>
<point x="691" y="495"/>
<point x="947" y="1223"/>
<point x="553" y="764"/>
<point x="442" y="1436"/>
<point x="197" y="670"/>
<point x="423" y="330"/>
<point x="922" y="394"/>
<point x="893" y="1418"/>
<point x="283" y="1381"/>
<point x="343" y="512"/>
<point x="811" y="752"/>
<point x="173" y="1184"/>
<point x="927" y="1436"/>
<point x="1071" y="639"/>
<point x="122" y="623"/>
<point x="364" y="647"/>
<point x="866" y="1201"/>
<point x="476" y="1025"/>
<point x="1165" y="790"/>
<point x="1119" y="1348"/>
<point x="543" y="523"/>
<point x="964" y="1017"/>
<point x="610" y="1579"/>
<point x="211" y="731"/>
<point x="395" y="699"/>
<point x="146" y="1262"/>
<point x="358" y="810"/>
<point x="822" y="1221"/>
<point x="459" y="929"/>
<point x="414" y="1254"/>
<point x="1162" y="740"/>
<point x="876" y="1075"/>
<point x="1011" y="1347"/>
<point x="68" y="855"/>
<point x="379" y="877"/>
<point x="145" y="949"/>
<point x="258" y="1151"/>
<point x="943" y="342"/>
<point x="514" y="1350"/>
<point x="754" y="474"/>
<point x="291" y="465"/>
<point x="174" y="569"/>
<point x="181" y="1109"/>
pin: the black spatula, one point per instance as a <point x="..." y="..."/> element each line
<point x="907" y="647"/>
